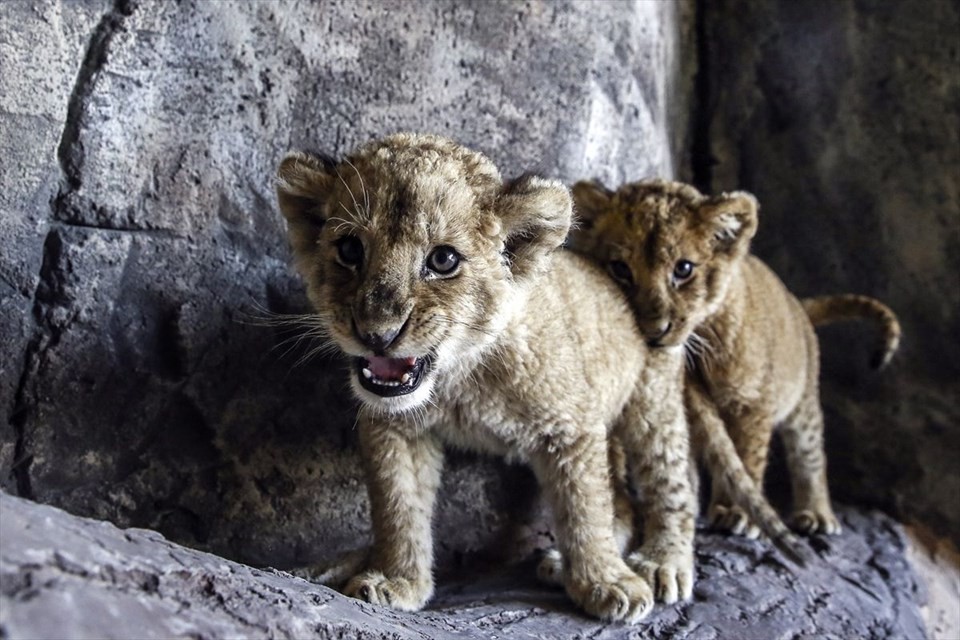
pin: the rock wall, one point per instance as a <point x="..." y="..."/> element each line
<point x="142" y="244"/>
<point x="844" y="119"/>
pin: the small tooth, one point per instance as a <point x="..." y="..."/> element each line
<point x="405" y="379"/>
<point x="367" y="373"/>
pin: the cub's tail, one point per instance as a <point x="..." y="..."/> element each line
<point x="727" y="468"/>
<point x="828" y="309"/>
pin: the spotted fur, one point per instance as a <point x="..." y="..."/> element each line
<point x="753" y="355"/>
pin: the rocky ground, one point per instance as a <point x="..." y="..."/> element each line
<point x="62" y="576"/>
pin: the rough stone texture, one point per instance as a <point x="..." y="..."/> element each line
<point x="142" y="241"/>
<point x="936" y="562"/>
<point x="33" y="109"/>
<point x="844" y="118"/>
<point x="63" y="576"/>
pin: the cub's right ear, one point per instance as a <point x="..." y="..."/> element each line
<point x="304" y="182"/>
<point x="733" y="220"/>
<point x="590" y="199"/>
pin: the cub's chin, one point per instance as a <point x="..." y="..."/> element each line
<point x="392" y="384"/>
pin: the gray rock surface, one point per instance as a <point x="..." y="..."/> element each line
<point x="142" y="241"/>
<point x="141" y="250"/>
<point x="68" y="577"/>
<point x="844" y="119"/>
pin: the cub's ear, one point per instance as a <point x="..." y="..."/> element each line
<point x="304" y="182"/>
<point x="536" y="216"/>
<point x="733" y="219"/>
<point x="591" y="199"/>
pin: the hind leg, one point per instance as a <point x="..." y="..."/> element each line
<point x="803" y="441"/>
<point x="750" y="433"/>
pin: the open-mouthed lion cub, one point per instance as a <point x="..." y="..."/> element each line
<point x="465" y="325"/>
<point x="683" y="260"/>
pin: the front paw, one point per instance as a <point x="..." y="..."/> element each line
<point x="670" y="572"/>
<point x="403" y="594"/>
<point x="618" y="596"/>
<point x="809" y="522"/>
<point x="733" y="519"/>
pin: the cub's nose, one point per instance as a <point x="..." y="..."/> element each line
<point x="379" y="341"/>
<point x="653" y="330"/>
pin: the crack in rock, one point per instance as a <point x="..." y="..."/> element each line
<point x="70" y="150"/>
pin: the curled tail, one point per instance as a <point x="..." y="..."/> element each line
<point x="727" y="468"/>
<point x="827" y="309"/>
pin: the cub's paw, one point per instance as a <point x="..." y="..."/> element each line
<point x="617" y="597"/>
<point x="733" y="519"/>
<point x="669" y="572"/>
<point x="809" y="522"/>
<point x="398" y="593"/>
<point x="550" y="568"/>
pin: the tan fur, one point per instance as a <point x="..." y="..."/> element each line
<point x="753" y="353"/>
<point x="532" y="354"/>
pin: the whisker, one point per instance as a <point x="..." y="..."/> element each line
<point x="356" y="207"/>
<point x="363" y="188"/>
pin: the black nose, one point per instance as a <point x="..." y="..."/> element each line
<point x="656" y="329"/>
<point x="379" y="341"/>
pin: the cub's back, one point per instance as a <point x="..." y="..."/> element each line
<point x="775" y="318"/>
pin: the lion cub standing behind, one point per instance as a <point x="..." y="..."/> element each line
<point x="683" y="260"/>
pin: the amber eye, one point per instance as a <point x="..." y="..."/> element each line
<point x="350" y="251"/>
<point x="683" y="270"/>
<point x="443" y="260"/>
<point x="620" y="271"/>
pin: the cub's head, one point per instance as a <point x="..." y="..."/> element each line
<point x="671" y="249"/>
<point x="415" y="253"/>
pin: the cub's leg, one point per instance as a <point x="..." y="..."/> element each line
<point x="550" y="568"/>
<point x="656" y="440"/>
<point x="403" y="474"/>
<point x="574" y="473"/>
<point x="750" y="431"/>
<point x="802" y="434"/>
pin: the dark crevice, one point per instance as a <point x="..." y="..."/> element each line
<point x="70" y="150"/>
<point x="50" y="289"/>
<point x="49" y="292"/>
<point x="701" y="153"/>
<point x="115" y="229"/>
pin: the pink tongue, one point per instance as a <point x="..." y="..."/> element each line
<point x="390" y="368"/>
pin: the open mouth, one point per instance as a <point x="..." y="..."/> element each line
<point x="389" y="377"/>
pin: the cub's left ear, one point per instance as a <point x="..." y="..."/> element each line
<point x="304" y="182"/>
<point x="732" y="218"/>
<point x="536" y="215"/>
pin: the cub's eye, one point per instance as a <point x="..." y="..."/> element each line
<point x="683" y="270"/>
<point x="350" y="251"/>
<point x="443" y="260"/>
<point x="620" y="271"/>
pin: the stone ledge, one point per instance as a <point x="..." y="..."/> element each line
<point x="64" y="576"/>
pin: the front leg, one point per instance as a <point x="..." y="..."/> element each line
<point x="403" y="474"/>
<point x="656" y="439"/>
<point x="575" y="477"/>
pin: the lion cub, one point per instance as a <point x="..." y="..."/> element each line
<point x="464" y="324"/>
<point x="683" y="260"/>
